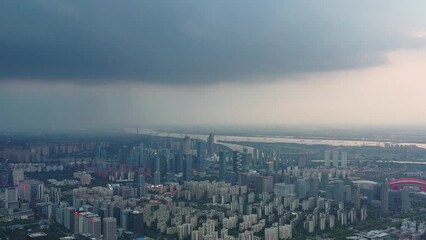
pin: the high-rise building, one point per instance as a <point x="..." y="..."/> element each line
<point x="187" y="168"/>
<point x="313" y="186"/>
<point x="357" y="198"/>
<point x="55" y="195"/>
<point x="187" y="173"/>
<point x="31" y="190"/>
<point x="17" y="176"/>
<point x="110" y="228"/>
<point x="339" y="191"/>
<point x="399" y="200"/>
<point x="11" y="194"/>
<point x="327" y="158"/>
<point x="187" y="148"/>
<point x="135" y="223"/>
<point x="324" y="181"/>
<point x="257" y="183"/>
<point x="210" y="145"/>
<point x="201" y="156"/>
<point x="384" y="198"/>
<point x="363" y="215"/>
<point x="69" y="218"/>
<point x="141" y="180"/>
<point x="94" y="226"/>
<point x="301" y="187"/>
<point x="222" y="166"/>
<point x="157" y="178"/>
<point x="335" y="159"/>
<point x="237" y="162"/>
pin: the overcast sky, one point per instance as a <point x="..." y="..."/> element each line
<point x="95" y="64"/>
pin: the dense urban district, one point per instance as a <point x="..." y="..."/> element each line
<point x="135" y="186"/>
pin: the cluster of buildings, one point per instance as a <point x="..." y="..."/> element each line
<point x="180" y="188"/>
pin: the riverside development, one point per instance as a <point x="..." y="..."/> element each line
<point x="136" y="186"/>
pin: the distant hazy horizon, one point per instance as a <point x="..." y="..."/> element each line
<point x="78" y="65"/>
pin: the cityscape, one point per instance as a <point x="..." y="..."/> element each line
<point x="131" y="186"/>
<point x="212" y="120"/>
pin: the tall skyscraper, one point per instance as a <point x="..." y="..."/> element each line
<point x="384" y="198"/>
<point x="187" y="173"/>
<point x="324" y="181"/>
<point x="327" y="158"/>
<point x="141" y="180"/>
<point x="313" y="186"/>
<point x="210" y="145"/>
<point x="221" y="166"/>
<point x="110" y="228"/>
<point x="187" y="148"/>
<point x="187" y="168"/>
<point x="157" y="178"/>
<point x="201" y="156"/>
<point x="357" y="198"/>
<point x="237" y="162"/>
<point x="339" y="191"/>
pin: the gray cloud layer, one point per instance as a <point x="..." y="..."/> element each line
<point x="173" y="42"/>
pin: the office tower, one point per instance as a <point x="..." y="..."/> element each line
<point x="135" y="222"/>
<point x="324" y="181"/>
<point x="187" y="148"/>
<point x="187" y="173"/>
<point x="141" y="180"/>
<point x="201" y="156"/>
<point x="110" y="228"/>
<point x="384" y="198"/>
<point x="339" y="191"/>
<point x="157" y="178"/>
<point x="399" y="200"/>
<point x="221" y="166"/>
<point x="313" y="186"/>
<point x="210" y="145"/>
<point x="357" y="198"/>
<point x="347" y="193"/>
<point x="187" y="168"/>
<point x="327" y="158"/>
<point x="177" y="162"/>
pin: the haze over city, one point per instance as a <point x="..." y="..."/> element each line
<point x="212" y="120"/>
<point x="78" y="65"/>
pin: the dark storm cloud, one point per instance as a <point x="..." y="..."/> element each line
<point x="190" y="41"/>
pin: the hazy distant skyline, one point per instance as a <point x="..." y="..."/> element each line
<point x="79" y="64"/>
